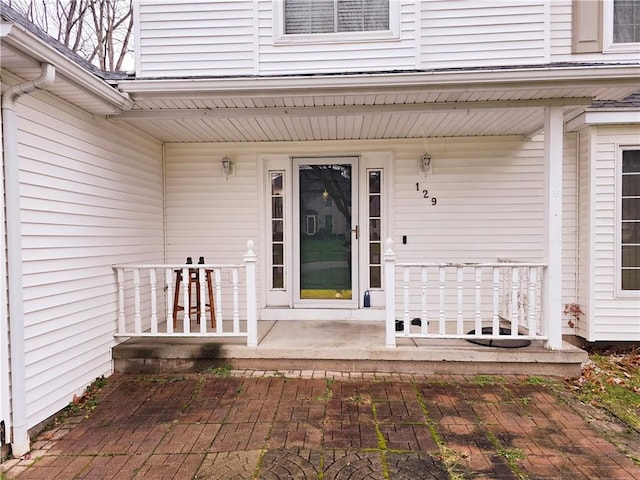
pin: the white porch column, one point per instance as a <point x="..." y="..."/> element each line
<point x="552" y="301"/>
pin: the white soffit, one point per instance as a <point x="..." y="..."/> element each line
<point x="342" y="127"/>
<point x="377" y="106"/>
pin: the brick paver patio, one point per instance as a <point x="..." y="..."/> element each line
<point x="324" y="425"/>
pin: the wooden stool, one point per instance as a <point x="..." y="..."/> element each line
<point x="194" y="280"/>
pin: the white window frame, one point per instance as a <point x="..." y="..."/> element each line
<point x="607" y="29"/>
<point x="618" y="235"/>
<point x="375" y="160"/>
<point x="275" y="298"/>
<point x="280" y="38"/>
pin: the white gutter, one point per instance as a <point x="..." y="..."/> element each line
<point x="26" y="42"/>
<point x="516" y="78"/>
<point x="20" y="437"/>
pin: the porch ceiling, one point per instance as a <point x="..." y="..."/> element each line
<point x="376" y="106"/>
<point x="234" y="126"/>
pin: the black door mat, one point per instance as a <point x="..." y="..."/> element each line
<point x="492" y="342"/>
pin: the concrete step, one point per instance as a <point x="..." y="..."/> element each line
<point x="342" y="347"/>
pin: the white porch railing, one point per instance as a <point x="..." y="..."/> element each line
<point x="468" y="301"/>
<point x="147" y="297"/>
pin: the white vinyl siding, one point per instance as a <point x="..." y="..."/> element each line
<point x="194" y="38"/>
<point x="490" y="203"/>
<point x="225" y="38"/>
<point x="615" y="316"/>
<point x="482" y="33"/>
<point x="207" y="214"/>
<point x="585" y="235"/>
<point x="561" y="31"/>
<point x="570" y="226"/>
<point x="91" y="196"/>
<point x="243" y="37"/>
<point x="393" y="49"/>
<point x="490" y="199"/>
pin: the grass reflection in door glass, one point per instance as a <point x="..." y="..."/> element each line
<point x="325" y="270"/>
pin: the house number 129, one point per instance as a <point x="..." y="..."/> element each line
<point x="425" y="194"/>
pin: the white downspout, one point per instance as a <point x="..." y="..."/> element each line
<point x="20" y="443"/>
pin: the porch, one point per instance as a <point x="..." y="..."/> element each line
<point x="445" y="318"/>
<point x="341" y="346"/>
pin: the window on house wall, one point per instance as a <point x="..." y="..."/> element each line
<point x="621" y="24"/>
<point x="626" y="21"/>
<point x="630" y="220"/>
<point x="334" y="16"/>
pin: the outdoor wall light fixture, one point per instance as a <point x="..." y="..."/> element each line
<point x="425" y="164"/>
<point x="226" y="166"/>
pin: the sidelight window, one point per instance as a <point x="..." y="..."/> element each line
<point x="277" y="231"/>
<point x="375" y="227"/>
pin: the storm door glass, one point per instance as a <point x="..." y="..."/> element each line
<point x="325" y="198"/>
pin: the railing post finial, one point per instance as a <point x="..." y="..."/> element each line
<point x="389" y="245"/>
<point x="250" y="245"/>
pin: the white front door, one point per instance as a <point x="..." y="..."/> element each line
<point x="325" y="232"/>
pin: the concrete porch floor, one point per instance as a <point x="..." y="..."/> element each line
<point x="341" y="346"/>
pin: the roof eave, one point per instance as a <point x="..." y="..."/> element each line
<point x="620" y="75"/>
<point x="24" y="41"/>
<point x="627" y="116"/>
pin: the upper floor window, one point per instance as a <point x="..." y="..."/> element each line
<point x="621" y="25"/>
<point x="314" y="22"/>
<point x="334" y="16"/>
<point x="626" y="21"/>
<point x="630" y="220"/>
<point x="606" y="26"/>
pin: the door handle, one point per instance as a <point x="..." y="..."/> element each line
<point x="356" y="231"/>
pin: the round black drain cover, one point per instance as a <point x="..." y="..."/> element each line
<point x="415" y="466"/>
